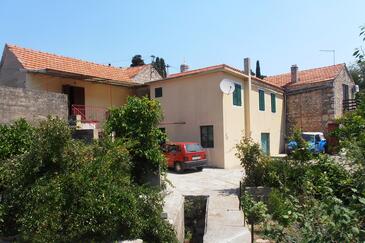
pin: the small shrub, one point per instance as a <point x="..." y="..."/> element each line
<point x="253" y="161"/>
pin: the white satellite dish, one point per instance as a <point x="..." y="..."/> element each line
<point x="226" y="86"/>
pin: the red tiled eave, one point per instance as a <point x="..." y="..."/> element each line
<point x="33" y="60"/>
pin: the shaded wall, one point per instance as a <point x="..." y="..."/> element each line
<point x="33" y="105"/>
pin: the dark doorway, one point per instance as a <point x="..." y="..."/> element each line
<point x="76" y="97"/>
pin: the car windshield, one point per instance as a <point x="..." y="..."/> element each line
<point x="307" y="137"/>
<point x="193" y="147"/>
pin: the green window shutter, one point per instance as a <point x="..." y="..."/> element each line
<point x="273" y="103"/>
<point x="237" y="96"/>
<point x="261" y="100"/>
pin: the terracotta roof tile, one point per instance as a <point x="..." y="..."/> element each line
<point x="307" y="76"/>
<point x="37" y="60"/>
<point x="215" y="67"/>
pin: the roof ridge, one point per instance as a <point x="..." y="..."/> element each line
<point x="62" y="56"/>
<point x="310" y="69"/>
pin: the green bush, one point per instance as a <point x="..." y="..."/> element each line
<point x="136" y="124"/>
<point x="15" y="138"/>
<point x="63" y="190"/>
<point x="253" y="161"/>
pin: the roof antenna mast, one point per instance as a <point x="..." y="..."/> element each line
<point x="334" y="55"/>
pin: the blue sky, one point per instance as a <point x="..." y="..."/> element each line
<point x="206" y="32"/>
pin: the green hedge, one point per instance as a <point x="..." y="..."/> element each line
<point x="56" y="189"/>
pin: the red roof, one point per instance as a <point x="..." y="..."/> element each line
<point x="314" y="75"/>
<point x="37" y="60"/>
<point x="214" y="68"/>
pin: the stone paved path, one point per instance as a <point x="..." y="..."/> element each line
<point x="224" y="219"/>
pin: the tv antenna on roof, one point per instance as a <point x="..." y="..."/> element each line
<point x="334" y="55"/>
<point x="226" y="86"/>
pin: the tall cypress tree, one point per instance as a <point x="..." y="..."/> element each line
<point x="258" y="69"/>
<point x="160" y="66"/>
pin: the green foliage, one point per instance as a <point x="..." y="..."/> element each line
<point x="281" y="208"/>
<point x="301" y="152"/>
<point x="136" y="124"/>
<point x="357" y="72"/>
<point x="255" y="212"/>
<point x="63" y="190"/>
<point x="160" y="66"/>
<point x="252" y="160"/>
<point x="15" y="138"/>
<point x="313" y="199"/>
<point x="137" y="60"/>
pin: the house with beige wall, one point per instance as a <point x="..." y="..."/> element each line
<point x="91" y="88"/>
<point x="195" y="109"/>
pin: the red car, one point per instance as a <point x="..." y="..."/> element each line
<point x="184" y="155"/>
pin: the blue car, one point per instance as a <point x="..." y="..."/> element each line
<point x="317" y="143"/>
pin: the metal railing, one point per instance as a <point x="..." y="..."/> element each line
<point x="89" y="113"/>
<point x="349" y="105"/>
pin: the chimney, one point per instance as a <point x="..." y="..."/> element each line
<point x="247" y="66"/>
<point x="184" y="68"/>
<point x="294" y="73"/>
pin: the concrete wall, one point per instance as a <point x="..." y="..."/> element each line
<point x="189" y="103"/>
<point x="11" y="73"/>
<point x="234" y="122"/>
<point x="32" y="105"/>
<point x="266" y="121"/>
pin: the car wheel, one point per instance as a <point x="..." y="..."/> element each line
<point x="199" y="168"/>
<point x="178" y="167"/>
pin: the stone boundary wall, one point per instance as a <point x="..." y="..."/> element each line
<point x="33" y="105"/>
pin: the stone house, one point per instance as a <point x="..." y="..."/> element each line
<point x="91" y="88"/>
<point x="316" y="97"/>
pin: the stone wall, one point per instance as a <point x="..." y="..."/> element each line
<point x="311" y="108"/>
<point x="342" y="78"/>
<point x="33" y="105"/>
<point x="148" y="73"/>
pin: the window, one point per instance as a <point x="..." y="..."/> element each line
<point x="345" y="91"/>
<point x="206" y="136"/>
<point x="237" y="97"/>
<point x="261" y="100"/>
<point x="193" y="147"/>
<point x="265" y="143"/>
<point x="273" y="103"/>
<point x="158" y="92"/>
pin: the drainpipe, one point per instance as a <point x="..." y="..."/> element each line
<point x="247" y="99"/>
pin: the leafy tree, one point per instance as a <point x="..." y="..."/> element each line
<point x="136" y="124"/>
<point x="18" y="136"/>
<point x="62" y="190"/>
<point x="357" y="72"/>
<point x="160" y="66"/>
<point x="137" y="60"/>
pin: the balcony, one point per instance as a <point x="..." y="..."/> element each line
<point x="349" y="105"/>
<point x="90" y="114"/>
